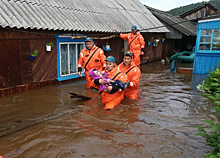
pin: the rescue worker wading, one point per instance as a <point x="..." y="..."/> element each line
<point x="92" y="57"/>
<point x="112" y="100"/>
<point x="136" y="44"/>
<point x="133" y="73"/>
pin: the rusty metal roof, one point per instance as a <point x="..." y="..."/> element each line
<point x="78" y="15"/>
<point x="176" y="23"/>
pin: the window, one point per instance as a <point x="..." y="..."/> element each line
<point x="210" y="40"/>
<point x="69" y="54"/>
<point x="216" y="40"/>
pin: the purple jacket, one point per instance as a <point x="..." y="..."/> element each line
<point x="105" y="77"/>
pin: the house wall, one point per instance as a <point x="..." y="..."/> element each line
<point x="15" y="63"/>
<point x="20" y="73"/>
<point x="152" y="53"/>
<point x="44" y="66"/>
<point x="204" y="62"/>
<point x="10" y="65"/>
<point x="168" y="48"/>
<point x="116" y="45"/>
<point x="205" y="11"/>
<point x="185" y="44"/>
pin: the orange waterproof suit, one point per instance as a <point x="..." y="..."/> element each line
<point x="112" y="100"/>
<point x="136" y="43"/>
<point x="93" y="58"/>
<point x="134" y="74"/>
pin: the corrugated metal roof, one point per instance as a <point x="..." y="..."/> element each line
<point x="78" y="15"/>
<point x="183" y="26"/>
<point x="209" y="24"/>
<point x="208" y="20"/>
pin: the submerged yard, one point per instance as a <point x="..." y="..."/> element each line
<point x="160" y="123"/>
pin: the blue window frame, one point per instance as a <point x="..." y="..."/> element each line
<point x="209" y="41"/>
<point x="67" y="57"/>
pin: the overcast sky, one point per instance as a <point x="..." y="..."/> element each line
<point x="167" y="5"/>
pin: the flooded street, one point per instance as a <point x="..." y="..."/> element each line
<point x="47" y="123"/>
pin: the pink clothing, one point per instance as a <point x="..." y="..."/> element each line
<point x="105" y="77"/>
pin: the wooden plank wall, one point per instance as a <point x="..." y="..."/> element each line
<point x="152" y="53"/>
<point x="16" y="69"/>
<point x="116" y="45"/>
<point x="44" y="66"/>
<point x="19" y="73"/>
<point x="10" y="66"/>
<point x="168" y="48"/>
<point x="204" y="62"/>
<point x="26" y="68"/>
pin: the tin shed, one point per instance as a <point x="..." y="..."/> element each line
<point x="207" y="53"/>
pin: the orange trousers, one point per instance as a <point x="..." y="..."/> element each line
<point x="131" y="93"/>
<point x="88" y="80"/>
<point x="112" y="100"/>
<point x="136" y="57"/>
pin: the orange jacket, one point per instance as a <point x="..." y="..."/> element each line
<point x="112" y="100"/>
<point x="134" y="74"/>
<point x="135" y="45"/>
<point x="97" y="61"/>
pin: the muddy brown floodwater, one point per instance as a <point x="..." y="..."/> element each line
<point x="46" y="123"/>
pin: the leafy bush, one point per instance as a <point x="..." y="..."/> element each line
<point x="211" y="85"/>
<point x="212" y="139"/>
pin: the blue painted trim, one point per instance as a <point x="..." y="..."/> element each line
<point x="61" y="40"/>
<point x="208" y="55"/>
<point x="209" y="51"/>
<point x="208" y="25"/>
<point x="212" y="38"/>
<point x="69" y="77"/>
<point x="204" y="59"/>
<point x="205" y="36"/>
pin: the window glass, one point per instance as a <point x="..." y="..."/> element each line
<point x="64" y="59"/>
<point x="216" y="46"/>
<point x="69" y="53"/>
<point x="216" y="39"/>
<point x="206" y="32"/>
<point x="217" y="32"/>
<point x="205" y="39"/>
<point x="80" y="46"/>
<point x="210" y="40"/>
<point x="73" y="58"/>
<point x="204" y="46"/>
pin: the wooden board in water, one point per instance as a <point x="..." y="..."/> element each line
<point x="184" y="70"/>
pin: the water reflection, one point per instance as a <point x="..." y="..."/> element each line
<point x="160" y="123"/>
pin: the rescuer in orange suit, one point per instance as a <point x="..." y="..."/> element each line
<point x="133" y="73"/>
<point x="136" y="44"/>
<point x="112" y="100"/>
<point x="92" y="57"/>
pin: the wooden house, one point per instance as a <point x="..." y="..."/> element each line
<point x="205" y="10"/>
<point x="182" y="35"/>
<point x="28" y="26"/>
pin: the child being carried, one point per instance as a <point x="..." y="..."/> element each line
<point x="95" y="74"/>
